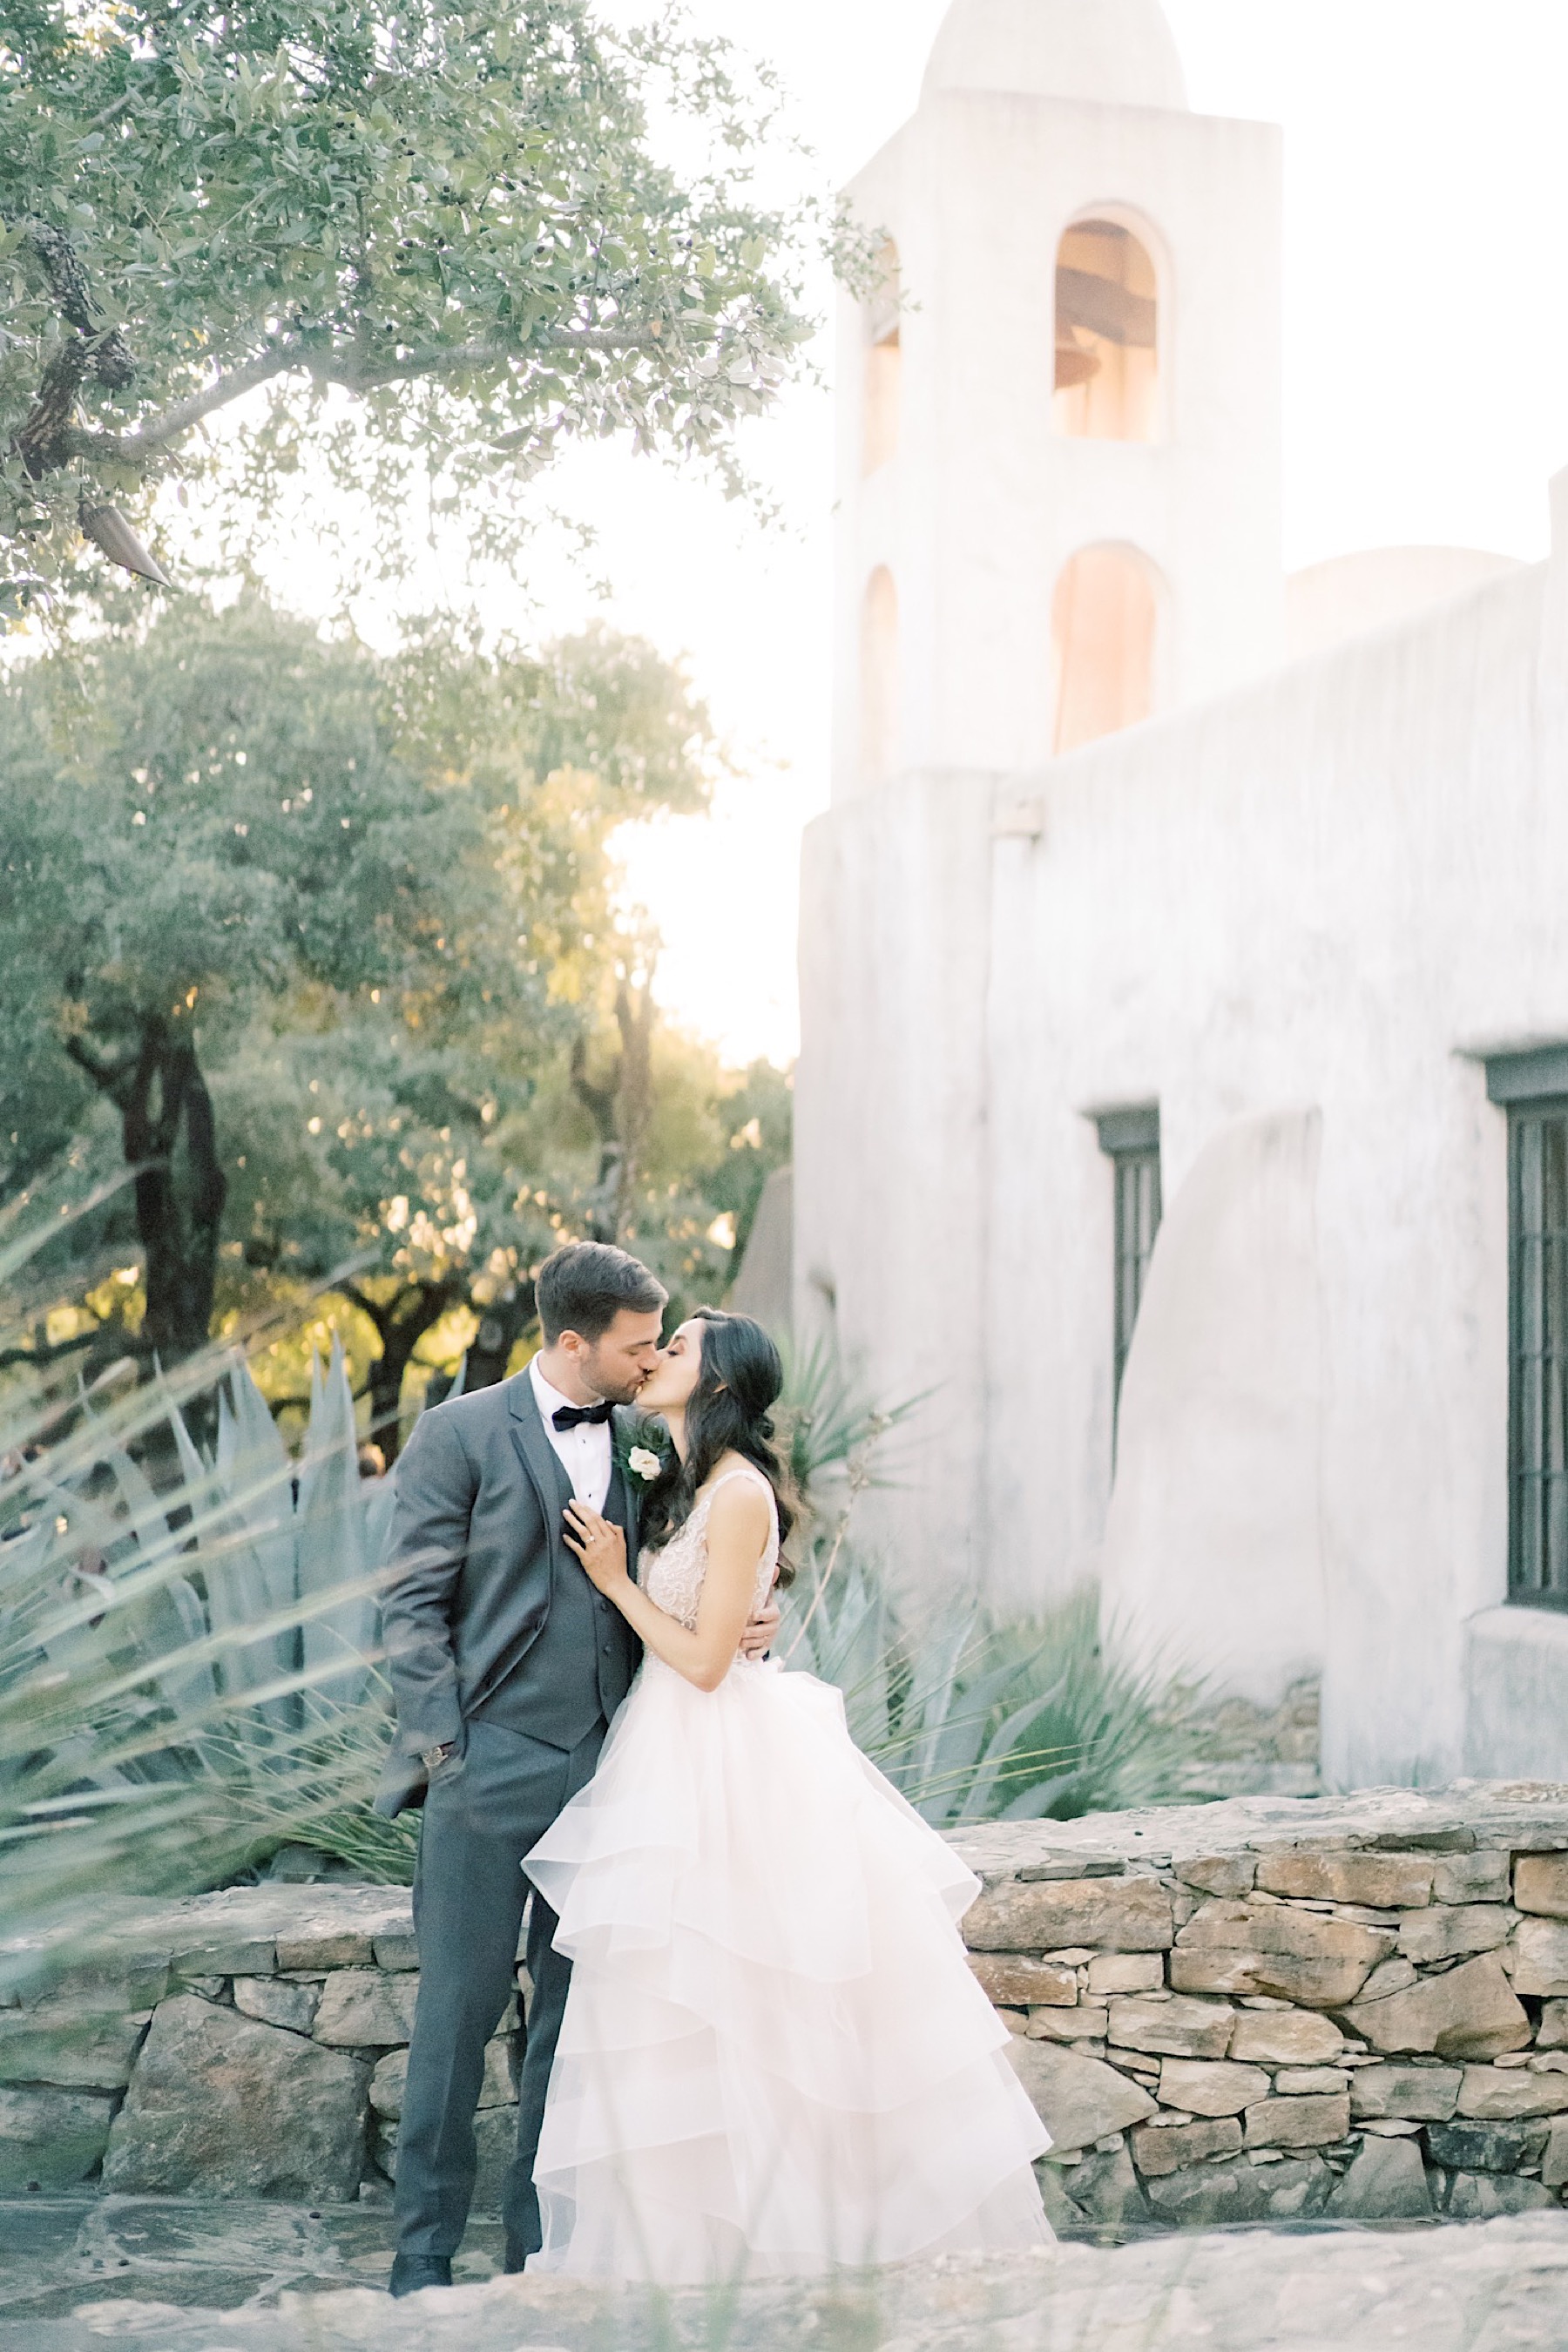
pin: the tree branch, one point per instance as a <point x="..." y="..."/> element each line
<point x="152" y="438"/>
<point x="109" y="1078"/>
<point x="209" y="1188"/>
<point x="107" y="351"/>
<point x="452" y="359"/>
<point x="53" y="1349"/>
<point x="149" y="440"/>
<point x="378" y="1316"/>
<point x="113" y="112"/>
<point x="599" y="1102"/>
<point x="45" y="434"/>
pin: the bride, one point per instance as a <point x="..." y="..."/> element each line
<point x="774" y="2058"/>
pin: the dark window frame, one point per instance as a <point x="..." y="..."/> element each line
<point x="1131" y="1141"/>
<point x="1532" y="1089"/>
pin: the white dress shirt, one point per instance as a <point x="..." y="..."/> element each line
<point x="584" y="1451"/>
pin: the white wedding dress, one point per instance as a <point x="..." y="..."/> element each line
<point x="774" y="2058"/>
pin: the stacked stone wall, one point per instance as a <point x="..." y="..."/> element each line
<point x="1264" y="2010"/>
<point x="1354" y="2008"/>
<point x="251" y="2044"/>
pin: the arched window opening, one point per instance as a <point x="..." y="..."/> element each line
<point x="1103" y="620"/>
<point x="1107" y="376"/>
<point x="880" y="678"/>
<point x="884" y="360"/>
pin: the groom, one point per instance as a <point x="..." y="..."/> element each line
<point x="506" y="1666"/>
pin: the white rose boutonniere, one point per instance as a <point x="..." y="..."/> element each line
<point x="642" y="1449"/>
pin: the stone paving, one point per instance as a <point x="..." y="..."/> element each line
<point x="56" y="2253"/>
<point x="179" y="2275"/>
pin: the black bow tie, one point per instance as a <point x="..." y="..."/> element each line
<point x="572" y="1416"/>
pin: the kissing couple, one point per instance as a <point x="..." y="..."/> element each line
<point x="753" y="2046"/>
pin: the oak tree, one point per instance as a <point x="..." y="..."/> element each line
<point x="433" y="237"/>
<point x="262" y="878"/>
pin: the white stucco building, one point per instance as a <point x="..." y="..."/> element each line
<point x="1154" y="901"/>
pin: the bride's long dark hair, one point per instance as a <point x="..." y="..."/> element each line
<point x="729" y="1411"/>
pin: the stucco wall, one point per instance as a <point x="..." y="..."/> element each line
<point x="1214" y="1536"/>
<point x="1327" y="893"/>
<point x="889" y="1251"/>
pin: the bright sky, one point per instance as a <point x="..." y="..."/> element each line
<point x="1426" y="394"/>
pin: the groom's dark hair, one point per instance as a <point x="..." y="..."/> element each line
<point x="583" y="1287"/>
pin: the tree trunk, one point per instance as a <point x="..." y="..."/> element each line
<point x="502" y="1322"/>
<point x="599" y="1102"/>
<point x="634" y="1103"/>
<point x="163" y="1102"/>
<point x="621" y="1110"/>
<point x="401" y="1322"/>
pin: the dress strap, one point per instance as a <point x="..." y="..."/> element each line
<point x="741" y="1470"/>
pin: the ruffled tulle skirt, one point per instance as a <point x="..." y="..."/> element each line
<point x="774" y="2058"/>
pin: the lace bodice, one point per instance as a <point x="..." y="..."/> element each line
<point x="673" y="1576"/>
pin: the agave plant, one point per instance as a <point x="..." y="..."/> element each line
<point x="835" y="1450"/>
<point x="974" y="1718"/>
<point x="833" y="1433"/>
<point x="970" y="1716"/>
<point x="188" y="1651"/>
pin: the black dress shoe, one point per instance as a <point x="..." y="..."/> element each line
<point x="411" y="2272"/>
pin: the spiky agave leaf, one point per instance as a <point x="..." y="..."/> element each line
<point x="173" y="1699"/>
<point x="972" y="1717"/>
<point x="330" y="1520"/>
<point x="827" y="1422"/>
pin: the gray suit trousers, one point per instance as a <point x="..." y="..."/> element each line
<point x="486" y="1808"/>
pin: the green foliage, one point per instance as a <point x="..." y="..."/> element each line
<point x="43" y="1099"/>
<point x="368" y="901"/>
<point x="212" y="822"/>
<point x="833" y="1434"/>
<point x="187" y="1645"/>
<point x="711" y="1144"/>
<point x="976" y="1719"/>
<point x="234" y="808"/>
<point x="436" y="238"/>
<point x="972" y="1717"/>
<point x="222" y="812"/>
<point x="759" y="1115"/>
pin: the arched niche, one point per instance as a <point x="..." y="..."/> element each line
<point x="1104" y="620"/>
<point x="884" y="363"/>
<point x="1106" y="380"/>
<point x="879" y="678"/>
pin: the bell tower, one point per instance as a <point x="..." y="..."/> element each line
<point x="1060" y="409"/>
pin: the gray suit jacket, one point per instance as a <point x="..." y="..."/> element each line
<point x="476" y="1545"/>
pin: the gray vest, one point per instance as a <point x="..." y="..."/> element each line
<point x="578" y="1670"/>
